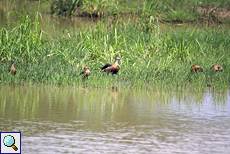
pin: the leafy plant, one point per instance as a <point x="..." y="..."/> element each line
<point x="64" y="7"/>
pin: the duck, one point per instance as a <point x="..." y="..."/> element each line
<point x="112" y="67"/>
<point x="196" y="68"/>
<point x="12" y="69"/>
<point x="217" y="68"/>
<point x="86" y="72"/>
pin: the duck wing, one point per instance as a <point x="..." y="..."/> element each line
<point x="82" y="73"/>
<point x="106" y="67"/>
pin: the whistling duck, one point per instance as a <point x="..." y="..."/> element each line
<point x="86" y="71"/>
<point x="112" y="68"/>
<point x="12" y="69"/>
<point x="196" y="68"/>
<point x="217" y="68"/>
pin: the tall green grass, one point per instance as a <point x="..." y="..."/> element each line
<point x="151" y="59"/>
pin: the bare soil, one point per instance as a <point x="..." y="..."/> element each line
<point x="218" y="12"/>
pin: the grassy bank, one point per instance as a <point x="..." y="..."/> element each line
<point x="215" y="11"/>
<point x="152" y="57"/>
<point x="176" y="11"/>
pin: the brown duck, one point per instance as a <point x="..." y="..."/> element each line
<point x="12" y="69"/>
<point x="196" y="68"/>
<point x="217" y="68"/>
<point x="112" y="68"/>
<point x="86" y="72"/>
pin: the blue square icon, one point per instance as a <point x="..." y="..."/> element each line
<point x="10" y="142"/>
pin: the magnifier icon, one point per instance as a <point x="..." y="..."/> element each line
<point x="9" y="141"/>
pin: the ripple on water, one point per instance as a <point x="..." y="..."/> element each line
<point x="136" y="123"/>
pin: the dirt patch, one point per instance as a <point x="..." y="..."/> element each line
<point x="218" y="12"/>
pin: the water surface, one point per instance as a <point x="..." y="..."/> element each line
<point x="55" y="26"/>
<point x="82" y="120"/>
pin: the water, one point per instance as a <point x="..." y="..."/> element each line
<point x="81" y="120"/>
<point x="55" y="26"/>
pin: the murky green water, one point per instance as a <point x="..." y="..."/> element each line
<point x="55" y="26"/>
<point x="73" y="120"/>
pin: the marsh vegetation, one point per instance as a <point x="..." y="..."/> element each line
<point x="155" y="54"/>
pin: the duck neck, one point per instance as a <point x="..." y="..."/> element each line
<point x="116" y="62"/>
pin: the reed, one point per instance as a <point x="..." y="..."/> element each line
<point x="151" y="59"/>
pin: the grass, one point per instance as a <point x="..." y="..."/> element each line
<point x="165" y="10"/>
<point x="152" y="58"/>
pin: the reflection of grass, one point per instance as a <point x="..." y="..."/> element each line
<point x="64" y="104"/>
<point x="151" y="59"/>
